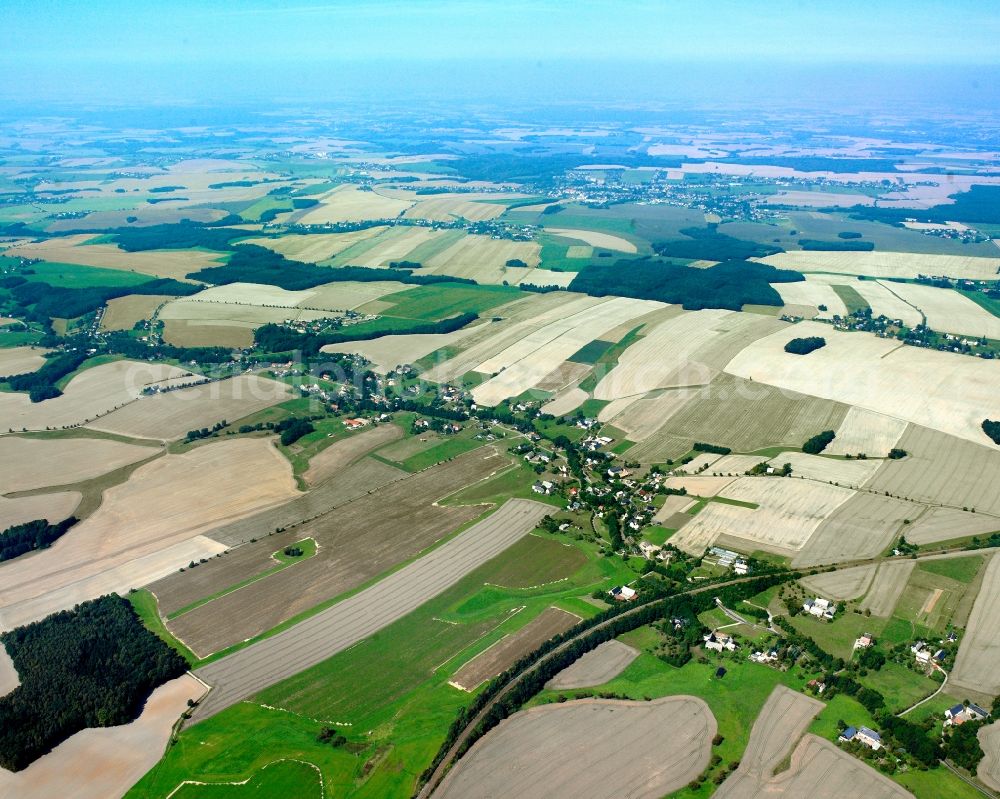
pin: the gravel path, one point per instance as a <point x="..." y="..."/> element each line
<point x="333" y="630"/>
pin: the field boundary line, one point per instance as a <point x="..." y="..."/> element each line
<point x="322" y="783"/>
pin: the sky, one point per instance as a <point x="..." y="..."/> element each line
<point x="185" y="51"/>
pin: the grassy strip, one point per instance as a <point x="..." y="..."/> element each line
<point x="852" y="299"/>
<point x="145" y="606"/>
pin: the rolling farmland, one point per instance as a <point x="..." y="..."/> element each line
<point x="975" y="667"/>
<point x="595" y="667"/>
<point x="321" y="636"/>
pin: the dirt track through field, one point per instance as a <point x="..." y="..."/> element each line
<point x="319" y="637"/>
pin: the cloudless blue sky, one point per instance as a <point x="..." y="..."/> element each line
<point x="180" y="49"/>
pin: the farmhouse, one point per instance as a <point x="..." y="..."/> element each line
<point x="354" y="424"/>
<point x="720" y="642"/>
<point x="864" y="641"/>
<point x="622" y="593"/>
<point x="770" y="656"/>
<point x="820" y="608"/>
<point x="921" y="652"/>
<point x="959" y="714"/>
<point x="648" y="550"/>
<point x="868" y="737"/>
<point x="543" y="487"/>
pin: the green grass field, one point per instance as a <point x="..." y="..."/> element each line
<point x="281" y="778"/>
<point x="442" y="300"/>
<point x="852" y="299"/>
<point x="75" y="276"/>
<point x="962" y="570"/>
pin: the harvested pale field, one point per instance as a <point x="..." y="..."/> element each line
<point x="818" y="770"/>
<point x="314" y="247"/>
<point x="978" y="654"/>
<point x="685" y="350"/>
<point x="159" y="263"/>
<point x="90" y="394"/>
<point x="673" y="504"/>
<point x="357" y="542"/>
<point x="866" y="432"/>
<point x="171" y="414"/>
<point x="323" y="635"/>
<point x="941" y="469"/>
<point x="484" y="259"/>
<point x="790" y="511"/>
<point x="104" y="762"/>
<point x="989" y="767"/>
<point x="348" y="203"/>
<point x="736" y="464"/>
<point x="699" y="463"/>
<point x="863" y="527"/>
<point x="852" y="473"/>
<point x="946" y="524"/>
<point x="528" y="362"/>
<point x="566" y="402"/>
<point x="878" y="296"/>
<point x="812" y="294"/>
<point x="17" y="360"/>
<point x="395" y="244"/>
<point x="947" y="392"/>
<point x="511" y="648"/>
<point x="448" y="209"/>
<point x="947" y="311"/>
<point x="743" y="415"/>
<point x="520" y="319"/>
<point x="144" y="216"/>
<point x="565" y="375"/>
<point x="342" y="453"/>
<point x="780" y="723"/>
<point x="8" y="676"/>
<point x="327" y="297"/>
<point x="841" y="585"/>
<point x="640" y="418"/>
<point x="206" y="314"/>
<point x="28" y="463"/>
<point x="596" y="239"/>
<point x="588" y="749"/>
<point x="122" y="313"/>
<point x="165" y="502"/>
<point x="388" y="352"/>
<point x="595" y="667"/>
<point x="699" y="485"/>
<point x="890" y="580"/>
<point x="54" y="507"/>
<point x="882" y="264"/>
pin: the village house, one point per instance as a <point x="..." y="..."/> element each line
<point x="820" y="608"/>
<point x="649" y="551"/>
<point x="959" y="714"/>
<point x="770" y="656"/>
<point x="354" y="424"/>
<point x="864" y="641"/>
<point x="719" y="642"/>
<point x="543" y="487"/>
<point x="921" y="653"/>
<point x="863" y="735"/>
<point x="622" y="593"/>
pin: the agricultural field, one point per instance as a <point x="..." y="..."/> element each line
<point x="947" y="524"/>
<point x="842" y="584"/>
<point x="103" y="762"/>
<point x="948" y="311"/>
<point x="863" y="527"/>
<point x="989" y="767"/>
<point x="882" y="298"/>
<point x="972" y="471"/>
<point x="169" y="415"/>
<point x="887" y="264"/>
<point x="926" y="387"/>
<point x="75" y="249"/>
<point x="143" y="531"/>
<point x="812" y="294"/>
<point x="484" y="260"/>
<point x="596" y="239"/>
<point x="123" y="313"/>
<point x="16" y="360"/>
<point x="888" y="585"/>
<point x="589" y="748"/>
<point x="866" y="432"/>
<point x="90" y="394"/>
<point x="314" y="247"/>
<point x="196" y="323"/>
<point x="596" y="667"/>
<point x="330" y="631"/>
<point x="338" y="296"/>
<point x="851" y="474"/>
<point x="355" y="543"/>
<point x="348" y="203"/>
<point x="54" y="507"/>
<point x="388" y="352"/>
<point x="339" y="455"/>
<point x="447" y="208"/>
<point x="31" y="462"/>
<point x="975" y="667"/>
<point x="789" y="512"/>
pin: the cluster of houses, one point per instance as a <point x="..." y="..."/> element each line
<point x="718" y="641"/>
<point x="926" y="656"/>
<point x="727" y="559"/>
<point x="820" y="608"/>
<point x="959" y="714"/>
<point x="862" y="735"/>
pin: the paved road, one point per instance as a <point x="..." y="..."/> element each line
<point x="244" y="673"/>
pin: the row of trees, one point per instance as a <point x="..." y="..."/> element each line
<point x="39" y="534"/>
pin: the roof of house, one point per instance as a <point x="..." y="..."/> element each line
<point x="954" y="711"/>
<point x="870" y="733"/>
<point x="849" y="733"/>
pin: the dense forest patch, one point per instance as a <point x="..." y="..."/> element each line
<point x="803" y="346"/>
<point x="93" y="666"/>
<point x="39" y="534"/>
<point x="731" y="285"/>
<point x="708" y="244"/>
